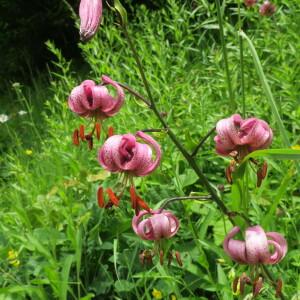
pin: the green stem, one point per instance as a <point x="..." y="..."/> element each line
<point x="225" y="56"/>
<point x="241" y="60"/>
<point x="171" y="134"/>
<point x="203" y="140"/>
<point x="196" y="198"/>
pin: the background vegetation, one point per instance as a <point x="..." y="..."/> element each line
<point x="55" y="243"/>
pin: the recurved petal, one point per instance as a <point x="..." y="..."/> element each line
<point x="279" y="239"/>
<point x="145" y="230"/>
<point x="234" y="248"/>
<point x="75" y="100"/>
<point x="100" y="100"/>
<point x="140" y="161"/>
<point x="116" y="102"/>
<point x="227" y="134"/>
<point x="149" y="167"/>
<point x="173" y="222"/>
<point x="257" y="249"/>
<point x="223" y="148"/>
<point x="256" y="133"/>
<point x="276" y="256"/>
<point x="136" y="220"/>
<point x="160" y="226"/>
<point x="108" y="155"/>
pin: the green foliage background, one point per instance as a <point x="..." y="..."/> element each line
<point x="68" y="248"/>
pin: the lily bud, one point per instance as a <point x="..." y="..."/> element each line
<point x="278" y="288"/>
<point x="257" y="286"/>
<point x="90" y="12"/>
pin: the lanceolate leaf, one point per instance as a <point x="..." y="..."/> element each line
<point x="282" y="154"/>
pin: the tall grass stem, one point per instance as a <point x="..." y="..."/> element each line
<point x="225" y="56"/>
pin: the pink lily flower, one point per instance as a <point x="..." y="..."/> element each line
<point x="161" y="224"/>
<point x="255" y="248"/>
<point x="242" y="136"/>
<point x="267" y="9"/>
<point x="122" y="153"/>
<point x="91" y="100"/>
<point x="90" y="12"/>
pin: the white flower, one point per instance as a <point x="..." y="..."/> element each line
<point x="4" y="118"/>
<point x="22" y="112"/>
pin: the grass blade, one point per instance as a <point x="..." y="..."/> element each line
<point x="267" y="90"/>
<point x="65" y="277"/>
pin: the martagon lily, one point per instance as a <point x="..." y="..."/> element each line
<point x="90" y="100"/>
<point x="156" y="225"/>
<point x="160" y="224"/>
<point x="124" y="154"/>
<point x="255" y="248"/>
<point x="237" y="138"/>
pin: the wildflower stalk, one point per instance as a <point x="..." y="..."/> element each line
<point x="191" y="161"/>
<point x="225" y="56"/>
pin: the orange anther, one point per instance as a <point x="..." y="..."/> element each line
<point x="100" y="197"/>
<point x="113" y="198"/>
<point x="76" y="137"/>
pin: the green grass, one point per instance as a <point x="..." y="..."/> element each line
<point x="68" y="248"/>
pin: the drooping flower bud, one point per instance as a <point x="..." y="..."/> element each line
<point x="91" y="100"/>
<point x="267" y="9"/>
<point x="161" y="224"/>
<point x="122" y="153"/>
<point x="257" y="286"/>
<point x="255" y="248"/>
<point x="238" y="136"/>
<point x="90" y="12"/>
<point x="250" y="3"/>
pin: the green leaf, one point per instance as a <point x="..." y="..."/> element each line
<point x="189" y="178"/>
<point x="281" y="154"/>
<point x="222" y="279"/>
<point x="124" y="286"/>
<point x="122" y="11"/>
<point x="63" y="288"/>
<point x="279" y="194"/>
<point x="88" y="296"/>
